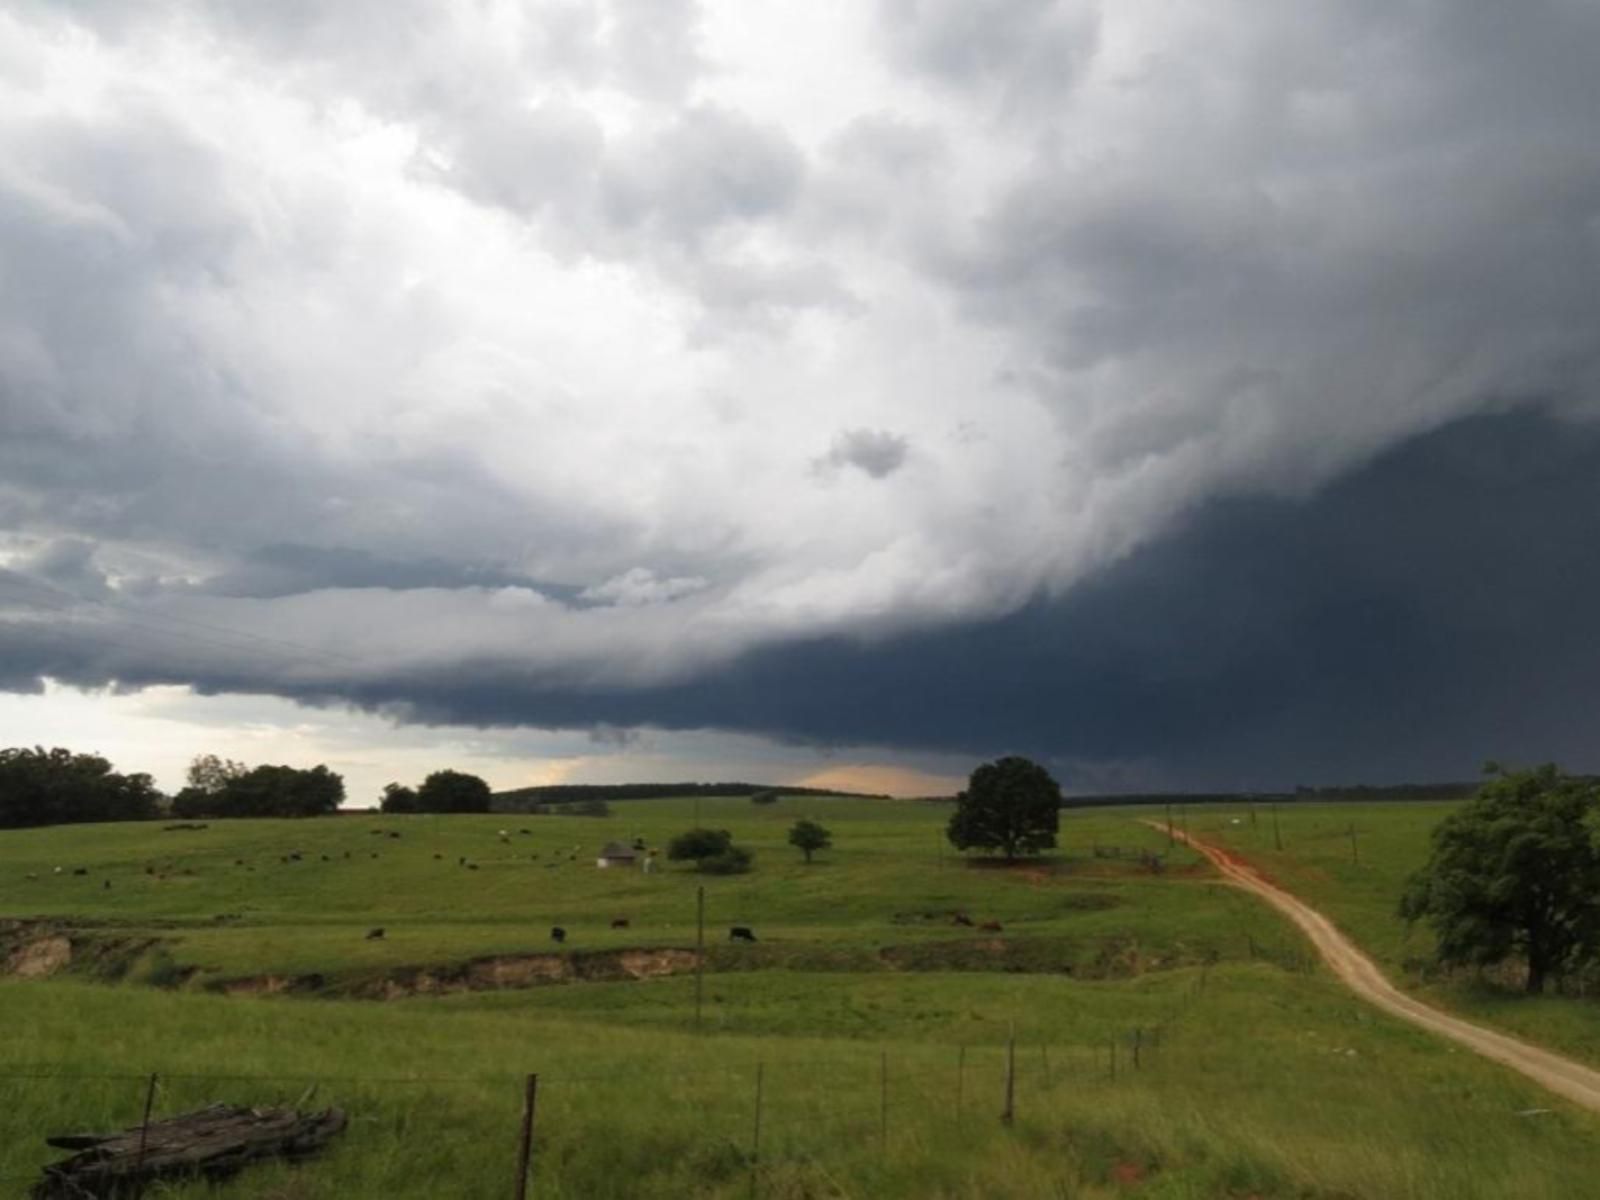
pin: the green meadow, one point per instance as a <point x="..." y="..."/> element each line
<point x="1171" y="1037"/>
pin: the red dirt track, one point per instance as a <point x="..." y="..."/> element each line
<point x="1360" y="974"/>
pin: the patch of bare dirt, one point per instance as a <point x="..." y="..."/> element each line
<point x="40" y="958"/>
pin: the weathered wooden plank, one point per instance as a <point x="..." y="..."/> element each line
<point x="214" y="1141"/>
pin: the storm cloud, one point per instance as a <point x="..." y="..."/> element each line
<point x="607" y="365"/>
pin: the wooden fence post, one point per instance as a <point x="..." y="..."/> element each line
<point x="699" y="952"/>
<point x="144" y="1125"/>
<point x="1008" y="1114"/>
<point x="961" y="1077"/>
<point x="755" y="1138"/>
<point x="530" y="1095"/>
<point x="883" y="1103"/>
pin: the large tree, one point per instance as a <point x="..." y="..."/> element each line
<point x="1514" y="873"/>
<point x="52" y="787"/>
<point x="453" y="792"/>
<point x="1012" y="805"/>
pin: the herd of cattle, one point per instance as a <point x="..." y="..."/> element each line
<point x="558" y="934"/>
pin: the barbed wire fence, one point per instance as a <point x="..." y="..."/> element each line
<point x="749" y="1117"/>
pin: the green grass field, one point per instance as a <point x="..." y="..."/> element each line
<point x="1257" y="1076"/>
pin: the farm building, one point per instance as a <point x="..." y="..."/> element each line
<point x="615" y="854"/>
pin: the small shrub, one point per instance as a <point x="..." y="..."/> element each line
<point x="698" y="844"/>
<point x="735" y="860"/>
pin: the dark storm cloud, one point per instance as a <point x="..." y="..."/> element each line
<point x="1430" y="611"/>
<point x="473" y="362"/>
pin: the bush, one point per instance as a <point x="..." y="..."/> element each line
<point x="698" y="844"/>
<point x="735" y="860"/>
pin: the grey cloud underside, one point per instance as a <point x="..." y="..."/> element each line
<point x="1429" y="611"/>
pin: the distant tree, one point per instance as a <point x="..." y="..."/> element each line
<point x="453" y="792"/>
<point x="209" y="774"/>
<point x="1514" y="873"/>
<point x="397" y="798"/>
<point x="278" y="791"/>
<point x="767" y="796"/>
<point x="53" y="787"/>
<point x="809" y="837"/>
<point x="593" y="807"/>
<point x="735" y="860"/>
<point x="1011" y="805"/>
<point x="697" y="844"/>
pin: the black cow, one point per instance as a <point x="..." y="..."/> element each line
<point x="619" y="922"/>
<point x="557" y="934"/>
<point x="740" y="933"/>
<point x="80" y="870"/>
<point x="375" y="934"/>
<point x="960" y="918"/>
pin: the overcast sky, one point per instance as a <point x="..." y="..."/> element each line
<point x="1195" y="395"/>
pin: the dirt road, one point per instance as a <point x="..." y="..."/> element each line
<point x="1576" y="1082"/>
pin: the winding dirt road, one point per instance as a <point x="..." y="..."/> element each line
<point x="1360" y="974"/>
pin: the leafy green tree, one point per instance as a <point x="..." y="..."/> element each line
<point x="453" y="792"/>
<point x="696" y="844"/>
<point x="54" y="787"/>
<point x="809" y="837"/>
<point x="1514" y="873"/>
<point x="397" y="798"/>
<point x="280" y="791"/>
<point x="1011" y="805"/>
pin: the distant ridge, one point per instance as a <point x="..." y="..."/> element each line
<point x="566" y="793"/>
<point x="1456" y="790"/>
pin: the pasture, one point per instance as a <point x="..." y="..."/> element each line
<point x="879" y="1028"/>
<point x="1359" y="887"/>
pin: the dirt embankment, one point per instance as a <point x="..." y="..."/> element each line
<point x="1360" y="974"/>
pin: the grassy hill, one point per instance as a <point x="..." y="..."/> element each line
<point x="1257" y="1075"/>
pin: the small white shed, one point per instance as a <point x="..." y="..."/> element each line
<point x="615" y="854"/>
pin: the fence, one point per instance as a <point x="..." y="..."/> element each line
<point x="532" y="1134"/>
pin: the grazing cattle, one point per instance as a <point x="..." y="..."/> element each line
<point x="147" y="870"/>
<point x="740" y="933"/>
<point x="394" y="833"/>
<point x="462" y="861"/>
<point x="991" y="927"/>
<point x="57" y="871"/>
<point x="324" y="857"/>
<point x="960" y="918"/>
<point x="294" y="856"/>
<point x="33" y="877"/>
<point x="437" y="857"/>
<point x="374" y="854"/>
<point x="472" y="866"/>
<point x="80" y="870"/>
<point x="374" y="935"/>
<point x="619" y="922"/>
<point x="347" y="854"/>
<point x="525" y="832"/>
<point x="238" y="862"/>
<point x="557" y="934"/>
<point x="106" y="885"/>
